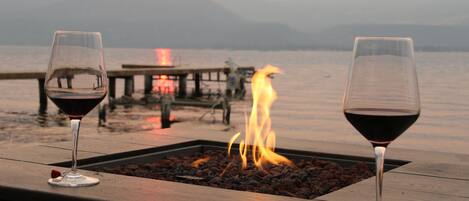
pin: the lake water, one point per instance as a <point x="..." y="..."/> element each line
<point x="310" y="91"/>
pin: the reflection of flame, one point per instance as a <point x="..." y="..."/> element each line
<point x="163" y="56"/>
<point x="200" y="161"/>
<point x="154" y="120"/>
<point x="164" y="85"/>
<point x="258" y="134"/>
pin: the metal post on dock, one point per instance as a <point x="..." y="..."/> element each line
<point x="42" y="96"/>
<point x="228" y="91"/>
<point x="240" y="91"/>
<point x="182" y="92"/>
<point x="226" y="110"/>
<point x="148" y="88"/>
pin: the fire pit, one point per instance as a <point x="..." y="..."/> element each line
<point x="206" y="163"/>
<point x="252" y="165"/>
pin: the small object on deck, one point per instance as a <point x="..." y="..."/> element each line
<point x="55" y="173"/>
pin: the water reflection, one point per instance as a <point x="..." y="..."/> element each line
<point x="43" y="119"/>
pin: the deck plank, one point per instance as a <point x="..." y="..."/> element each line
<point x="444" y="170"/>
<point x="42" y="154"/>
<point x="405" y="187"/>
<point x="117" y="144"/>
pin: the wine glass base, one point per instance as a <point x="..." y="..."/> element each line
<point x="73" y="179"/>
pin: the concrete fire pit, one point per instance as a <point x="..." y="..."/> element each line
<point x="312" y="175"/>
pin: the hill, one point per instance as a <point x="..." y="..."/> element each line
<point x="148" y="24"/>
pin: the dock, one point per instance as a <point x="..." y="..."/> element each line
<point x="179" y="74"/>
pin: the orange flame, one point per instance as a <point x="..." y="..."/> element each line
<point x="200" y="161"/>
<point x="164" y="85"/>
<point x="258" y="134"/>
<point x="163" y="56"/>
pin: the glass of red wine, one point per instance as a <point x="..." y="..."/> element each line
<point x="382" y="97"/>
<point x="76" y="82"/>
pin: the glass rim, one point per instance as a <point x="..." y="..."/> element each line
<point x="383" y="38"/>
<point x="76" y="32"/>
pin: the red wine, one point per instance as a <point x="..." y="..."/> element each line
<point x="76" y="105"/>
<point x="381" y="126"/>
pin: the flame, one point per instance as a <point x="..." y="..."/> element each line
<point x="200" y="161"/>
<point x="164" y="85"/>
<point x="258" y="133"/>
<point x="163" y="56"/>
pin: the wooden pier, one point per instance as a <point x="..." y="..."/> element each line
<point x="181" y="74"/>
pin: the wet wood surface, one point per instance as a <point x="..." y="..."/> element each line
<point x="429" y="175"/>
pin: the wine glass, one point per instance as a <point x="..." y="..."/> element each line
<point x="76" y="82"/>
<point x="382" y="99"/>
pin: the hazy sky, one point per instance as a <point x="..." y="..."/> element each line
<point x="262" y="24"/>
<point x="314" y="15"/>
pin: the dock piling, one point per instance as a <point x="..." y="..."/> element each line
<point x="148" y="88"/>
<point x="197" y="76"/>
<point x="42" y="96"/>
<point x="182" y="92"/>
<point x="129" y="86"/>
<point x="112" y="92"/>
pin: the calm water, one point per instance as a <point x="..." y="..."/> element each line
<point x="310" y="91"/>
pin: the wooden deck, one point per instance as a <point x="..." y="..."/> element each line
<point x="429" y="176"/>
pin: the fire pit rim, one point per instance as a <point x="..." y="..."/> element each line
<point x="141" y="153"/>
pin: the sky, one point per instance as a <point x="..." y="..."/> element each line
<point x="238" y="24"/>
<point x="315" y="15"/>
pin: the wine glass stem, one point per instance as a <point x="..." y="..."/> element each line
<point x="75" y="124"/>
<point x="379" y="158"/>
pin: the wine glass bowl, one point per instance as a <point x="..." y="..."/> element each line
<point x="76" y="82"/>
<point x="381" y="98"/>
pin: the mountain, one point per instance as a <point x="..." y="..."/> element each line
<point x="146" y="24"/>
<point x="426" y="37"/>
<point x="313" y="16"/>
<point x="238" y="24"/>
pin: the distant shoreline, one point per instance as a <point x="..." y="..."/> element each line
<point x="338" y="49"/>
